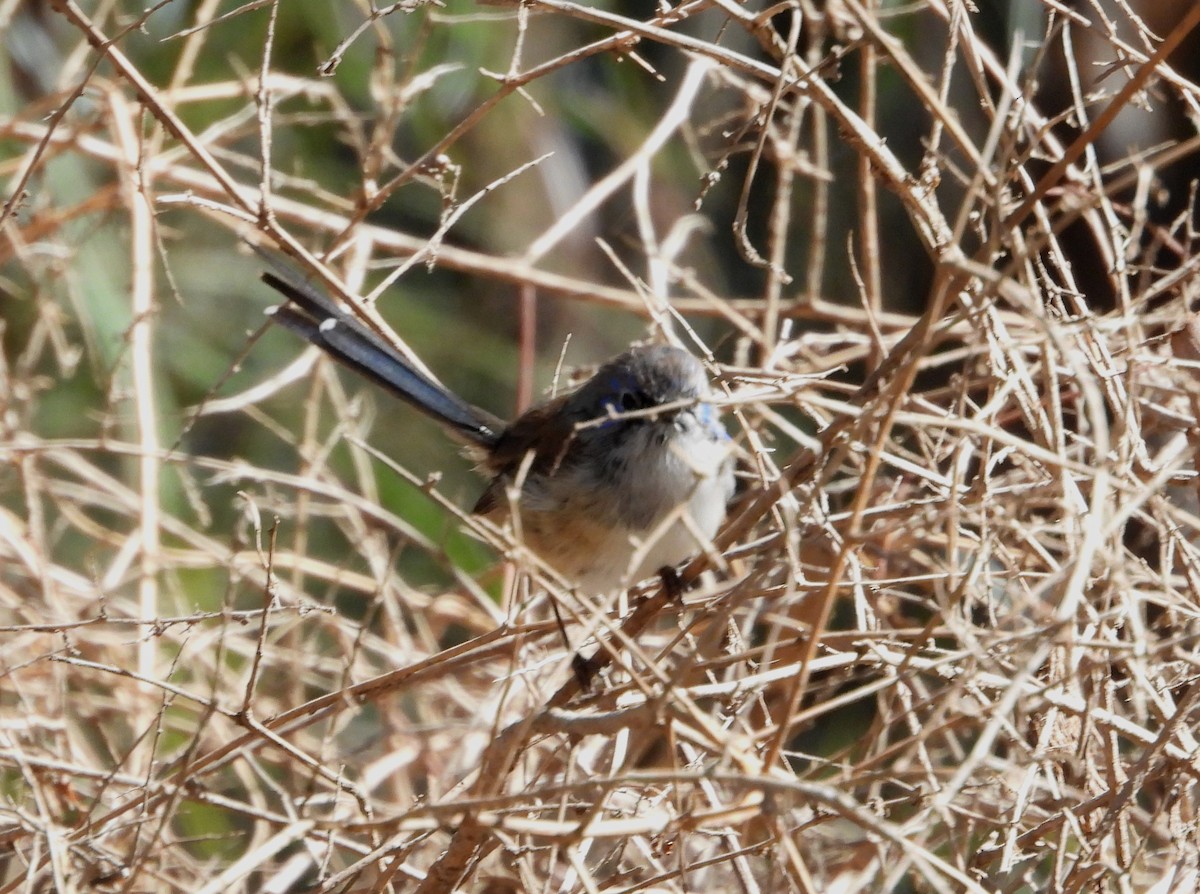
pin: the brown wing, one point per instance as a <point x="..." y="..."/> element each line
<point x="543" y="431"/>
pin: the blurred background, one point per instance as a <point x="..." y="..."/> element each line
<point x="553" y="181"/>
<point x="356" y="105"/>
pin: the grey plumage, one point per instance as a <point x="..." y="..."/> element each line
<point x="629" y="473"/>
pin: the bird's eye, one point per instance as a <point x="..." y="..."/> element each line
<point x="632" y="400"/>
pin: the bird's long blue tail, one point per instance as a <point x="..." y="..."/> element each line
<point x="313" y="315"/>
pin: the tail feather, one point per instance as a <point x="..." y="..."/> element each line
<point x="316" y="318"/>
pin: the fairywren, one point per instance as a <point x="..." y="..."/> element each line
<point x="624" y="476"/>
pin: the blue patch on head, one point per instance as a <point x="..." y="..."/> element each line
<point x="612" y="414"/>
<point x="709" y="418"/>
<point x="619" y="383"/>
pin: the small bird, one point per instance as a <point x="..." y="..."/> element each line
<point x="627" y="475"/>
